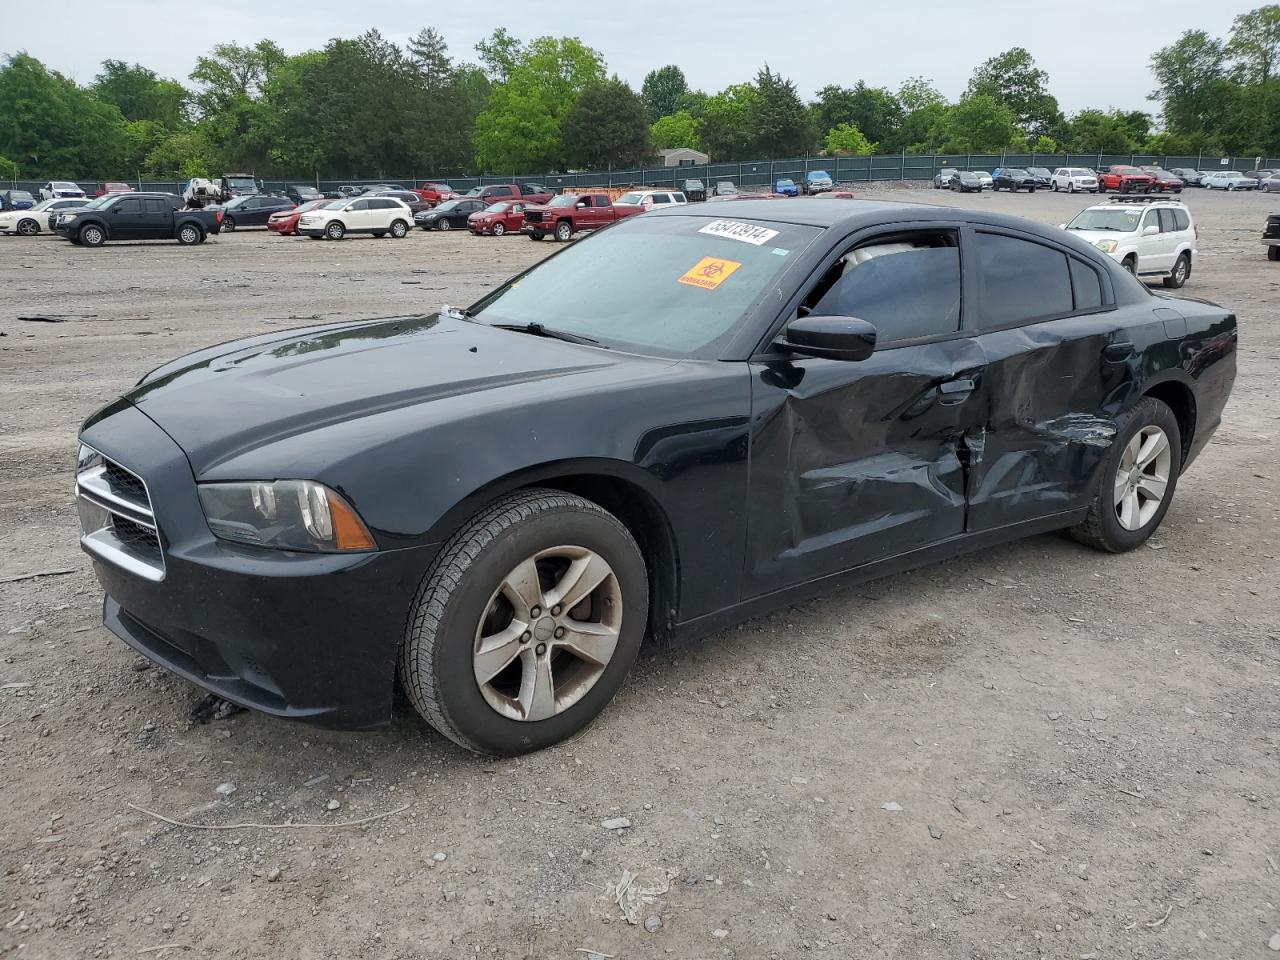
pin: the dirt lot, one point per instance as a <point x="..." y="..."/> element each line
<point x="1034" y="751"/>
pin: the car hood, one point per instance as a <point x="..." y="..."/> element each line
<point x="225" y="401"/>
<point x="1093" y="236"/>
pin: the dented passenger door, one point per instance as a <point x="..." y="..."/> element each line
<point x="856" y="461"/>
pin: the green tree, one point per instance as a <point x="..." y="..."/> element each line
<point x="429" y="55"/>
<point x="1255" y="43"/>
<point x="499" y="55"/>
<point x="1093" y="131"/>
<point x="8" y="169"/>
<point x="916" y="93"/>
<point x="680" y="129"/>
<point x="180" y="156"/>
<point x="847" y="138"/>
<point x="606" y="127"/>
<point x="875" y="111"/>
<point x="780" y="124"/>
<point x="662" y="91"/>
<point x="1190" y="74"/>
<point x="1043" y="144"/>
<point x="519" y="129"/>
<point x="140" y="94"/>
<point x="726" y="122"/>
<point x="1013" y="79"/>
<point x="978" y="123"/>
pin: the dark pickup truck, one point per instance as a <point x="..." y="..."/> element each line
<point x="571" y="213"/>
<point x="137" y="216"/>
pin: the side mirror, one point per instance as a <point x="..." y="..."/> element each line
<point x="835" y="338"/>
<point x="1150" y="231"/>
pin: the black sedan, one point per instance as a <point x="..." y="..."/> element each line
<point x="252" y="211"/>
<point x="450" y="215"/>
<point x="1015" y="179"/>
<point x="681" y="422"/>
<point x="301" y="193"/>
<point x="965" y="181"/>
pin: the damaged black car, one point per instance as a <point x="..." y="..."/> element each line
<point x="686" y="420"/>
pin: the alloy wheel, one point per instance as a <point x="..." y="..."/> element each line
<point x="28" y="228"/>
<point x="499" y="229"/>
<point x="1142" y="477"/>
<point x="445" y="224"/>
<point x="548" y="633"/>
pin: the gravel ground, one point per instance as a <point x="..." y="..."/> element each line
<point x="1037" y="750"/>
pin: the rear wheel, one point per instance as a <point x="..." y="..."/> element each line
<point x="336" y="230"/>
<point x="1178" y="275"/>
<point x="228" y="224"/>
<point x="28" y="228"/>
<point x="527" y="623"/>
<point x="1273" y="253"/>
<point x="1136" y="481"/>
<point x="189" y="234"/>
<point x="564" y="230"/>
<point x="92" y="235"/>
<point x="399" y="229"/>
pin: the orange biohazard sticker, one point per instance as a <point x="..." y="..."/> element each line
<point x="709" y="272"/>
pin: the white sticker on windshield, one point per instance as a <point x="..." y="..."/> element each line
<point x="735" y="230"/>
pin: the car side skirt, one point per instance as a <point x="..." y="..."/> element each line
<point x="914" y="559"/>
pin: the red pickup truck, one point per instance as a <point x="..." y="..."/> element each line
<point x="570" y="213"/>
<point x="1125" y="179"/>
<point x="434" y="193"/>
<point x="524" y="192"/>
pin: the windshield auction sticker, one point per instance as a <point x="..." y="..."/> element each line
<point x="736" y="230"/>
<point x="709" y="272"/>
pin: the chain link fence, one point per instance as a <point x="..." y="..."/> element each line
<point x="757" y="173"/>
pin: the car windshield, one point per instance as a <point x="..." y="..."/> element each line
<point x="242" y="183"/>
<point x="1039" y="171"/>
<point x="100" y="202"/>
<point x="564" y="200"/>
<point x="307" y="191"/>
<point x="310" y="205"/>
<point x="678" y="286"/>
<point x="336" y="204"/>
<point x="20" y="195"/>
<point x="966" y="175"/>
<point x="497" y="207"/>
<point x="693" y="184"/>
<point x="1124" y="221"/>
<point x="819" y="175"/>
<point x="724" y="186"/>
<point x="630" y="199"/>
<point x="1014" y="172"/>
<point x="64" y="185"/>
<point x="786" y="183"/>
<point x="448" y="205"/>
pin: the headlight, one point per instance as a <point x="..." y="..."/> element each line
<point x="1106" y="246"/>
<point x="284" y="514"/>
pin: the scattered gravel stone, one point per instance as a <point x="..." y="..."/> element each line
<point x="720" y="934"/>
<point x="332" y="805"/>
<point x="616" y="823"/>
<point x="892" y="806"/>
<point x="440" y="856"/>
<point x="935" y="832"/>
<point x="654" y="924"/>
<point x="1274" y="942"/>
<point x="274" y="875"/>
<point x="225" y="789"/>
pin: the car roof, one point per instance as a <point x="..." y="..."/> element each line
<point x="848" y="215"/>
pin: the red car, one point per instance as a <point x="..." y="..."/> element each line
<point x="112" y="186"/>
<point x="285" y="222"/>
<point x="1125" y="179"/>
<point x="435" y="193"/>
<point x="498" y="218"/>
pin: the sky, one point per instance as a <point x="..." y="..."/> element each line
<point x="1090" y="63"/>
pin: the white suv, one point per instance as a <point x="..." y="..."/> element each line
<point x="651" y="198"/>
<point x="1072" y="179"/>
<point x="1148" y="237"/>
<point x="376" y="215"/>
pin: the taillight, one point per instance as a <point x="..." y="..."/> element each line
<point x="218" y="214"/>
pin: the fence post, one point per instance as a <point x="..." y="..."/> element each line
<point x="902" y="166"/>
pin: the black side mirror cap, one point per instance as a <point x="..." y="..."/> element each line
<point x="835" y="338"/>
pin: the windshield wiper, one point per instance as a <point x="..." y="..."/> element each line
<point x="539" y="330"/>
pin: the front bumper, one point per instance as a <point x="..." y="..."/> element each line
<point x="311" y="637"/>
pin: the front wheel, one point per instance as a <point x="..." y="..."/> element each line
<point x="499" y="229"/>
<point x="564" y="230"/>
<point x="92" y="236"/>
<point x="444" y="225"/>
<point x="399" y="229"/>
<point x="527" y="623"/>
<point x="336" y="230"/>
<point x="1136" y="481"/>
<point x="1273" y="253"/>
<point x="536" y="235"/>
<point x="28" y="228"/>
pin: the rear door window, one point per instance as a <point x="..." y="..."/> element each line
<point x="155" y="205"/>
<point x="1021" y="280"/>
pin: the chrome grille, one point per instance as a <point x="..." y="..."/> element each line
<point x="117" y="524"/>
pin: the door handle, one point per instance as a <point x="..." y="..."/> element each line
<point x="954" y="391"/>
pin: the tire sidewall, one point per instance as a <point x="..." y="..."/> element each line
<point x="1148" y="412"/>
<point x="564" y="230"/>
<point x="188" y="234"/>
<point x="456" y="689"/>
<point x="92" y="231"/>
<point x="334" y="230"/>
<point x="399" y="229"/>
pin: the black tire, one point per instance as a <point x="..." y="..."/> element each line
<point x="443" y="224"/>
<point x="499" y="229"/>
<point x="436" y="659"/>
<point x="314" y="237"/>
<point x="399" y="229"/>
<point x="228" y="224"/>
<point x="1131" y="264"/>
<point x="28" y="228"/>
<point x="564" y="231"/>
<point x="92" y="235"/>
<point x="189" y="234"/>
<point x="1101" y="527"/>
<point x="995" y="187"/>
<point x="536" y="235"/>
<point x="335" y="230"/>
<point x="1273" y="253"/>
<point x="379" y="233"/>
<point x="1181" y="270"/>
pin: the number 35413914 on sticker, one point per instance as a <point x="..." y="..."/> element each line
<point x="709" y="272"/>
